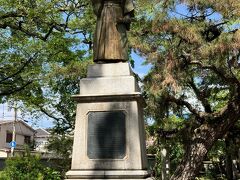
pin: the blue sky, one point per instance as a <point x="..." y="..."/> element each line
<point x="139" y="68"/>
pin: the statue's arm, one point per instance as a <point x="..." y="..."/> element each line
<point x="97" y="6"/>
<point x="128" y="13"/>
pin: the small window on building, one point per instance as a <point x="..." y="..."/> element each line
<point x="27" y="139"/>
<point x="8" y="137"/>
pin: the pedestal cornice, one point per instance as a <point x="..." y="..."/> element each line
<point x="137" y="96"/>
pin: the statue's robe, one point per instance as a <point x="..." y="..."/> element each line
<point x="110" y="39"/>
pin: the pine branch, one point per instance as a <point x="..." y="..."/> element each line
<point x="231" y="64"/>
<point x="167" y="133"/>
<point x="181" y="102"/>
<point x="215" y="70"/>
<point x="228" y="116"/>
<point x="201" y="95"/>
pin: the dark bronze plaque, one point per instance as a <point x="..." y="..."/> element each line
<point x="106" y="135"/>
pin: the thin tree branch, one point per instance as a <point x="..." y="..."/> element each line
<point x="11" y="15"/>
<point x="215" y="70"/>
<point x="20" y="70"/>
<point x="19" y="27"/>
<point x="6" y="93"/>
<point x="49" y="114"/>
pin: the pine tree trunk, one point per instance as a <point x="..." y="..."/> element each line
<point x="195" y="152"/>
<point x="229" y="167"/>
<point x="203" y="138"/>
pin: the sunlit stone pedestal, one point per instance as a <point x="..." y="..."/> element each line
<point x="109" y="136"/>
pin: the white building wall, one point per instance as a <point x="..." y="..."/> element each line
<point x="2" y="136"/>
<point x="3" y="154"/>
<point x="41" y="143"/>
<point x="21" y="131"/>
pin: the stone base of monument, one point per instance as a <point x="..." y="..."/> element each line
<point x="109" y="136"/>
<point x="109" y="174"/>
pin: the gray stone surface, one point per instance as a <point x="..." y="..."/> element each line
<point x="104" y="98"/>
<point x="116" y="175"/>
<point x="108" y="174"/>
<point x="109" y="70"/>
<point x="135" y="139"/>
<point x="109" y="79"/>
<point x="96" y="174"/>
<point x="133" y="178"/>
<point x="110" y="87"/>
<point x="112" y="179"/>
<point x="149" y="178"/>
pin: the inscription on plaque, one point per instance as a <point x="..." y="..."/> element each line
<point x="106" y="135"/>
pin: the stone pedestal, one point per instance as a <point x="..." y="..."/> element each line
<point x="109" y="137"/>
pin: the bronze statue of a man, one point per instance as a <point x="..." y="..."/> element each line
<point x="110" y="39"/>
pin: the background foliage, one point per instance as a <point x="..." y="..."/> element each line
<point x="192" y="90"/>
<point x="28" y="167"/>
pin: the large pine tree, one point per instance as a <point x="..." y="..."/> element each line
<point x="194" y="49"/>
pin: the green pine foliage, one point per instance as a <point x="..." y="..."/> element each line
<point x="193" y="47"/>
